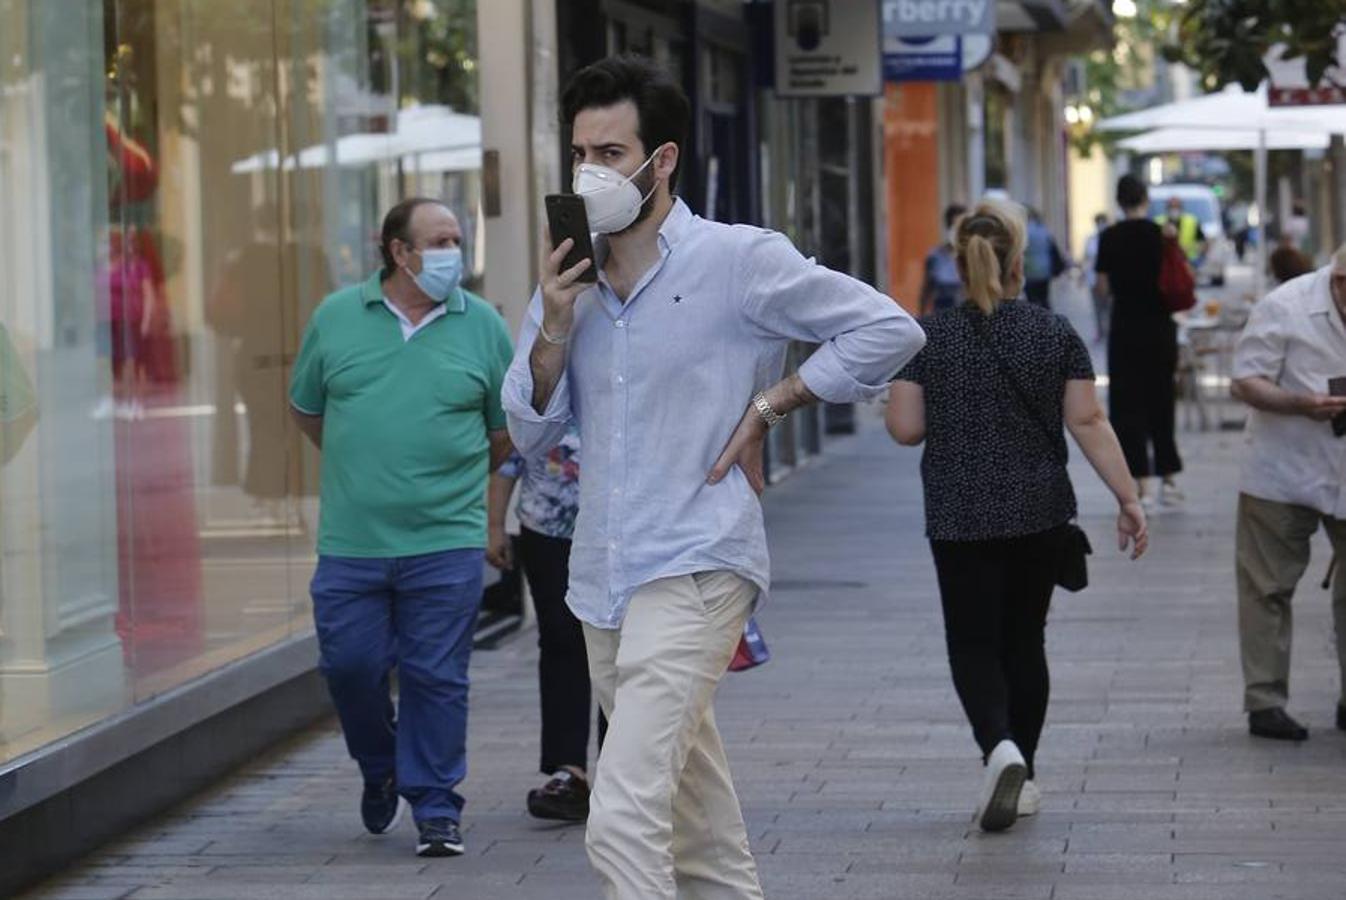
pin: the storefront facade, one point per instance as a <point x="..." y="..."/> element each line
<point x="180" y="184"/>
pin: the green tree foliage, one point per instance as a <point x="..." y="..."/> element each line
<point x="1128" y="66"/>
<point x="1227" y="40"/>
<point x="438" y="48"/>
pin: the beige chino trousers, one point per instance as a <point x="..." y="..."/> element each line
<point x="664" y="821"/>
<point x="1272" y="554"/>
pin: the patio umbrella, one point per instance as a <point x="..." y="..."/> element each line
<point x="1232" y="109"/>
<point x="1186" y="140"/>
<point x="421" y="130"/>
<point x="430" y="138"/>
<point x="1236" y="110"/>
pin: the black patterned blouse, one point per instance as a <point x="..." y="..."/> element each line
<point x="989" y="468"/>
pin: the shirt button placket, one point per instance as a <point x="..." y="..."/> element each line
<point x="617" y="464"/>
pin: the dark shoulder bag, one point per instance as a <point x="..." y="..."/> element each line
<point x="1072" y="571"/>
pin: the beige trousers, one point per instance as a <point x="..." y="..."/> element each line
<point x="1272" y="543"/>
<point x="664" y="821"/>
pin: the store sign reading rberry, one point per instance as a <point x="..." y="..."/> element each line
<point x="925" y="18"/>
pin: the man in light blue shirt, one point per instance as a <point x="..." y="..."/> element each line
<point x="670" y="364"/>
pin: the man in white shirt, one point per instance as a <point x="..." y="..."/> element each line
<point x="1294" y="479"/>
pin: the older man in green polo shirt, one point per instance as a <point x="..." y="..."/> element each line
<point x="398" y="382"/>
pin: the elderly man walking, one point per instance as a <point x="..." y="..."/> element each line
<point x="398" y="382"/>
<point x="1289" y="358"/>
<point x="669" y="364"/>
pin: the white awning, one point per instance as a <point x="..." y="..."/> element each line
<point x="1192" y="140"/>
<point x="1232" y="109"/>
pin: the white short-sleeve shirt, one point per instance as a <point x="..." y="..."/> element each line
<point x="1296" y="338"/>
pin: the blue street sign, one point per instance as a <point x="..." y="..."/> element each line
<point x="938" y="58"/>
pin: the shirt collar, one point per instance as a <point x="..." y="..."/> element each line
<point x="372" y="292"/>
<point x="1320" y="300"/>
<point x="676" y="223"/>
<point x="671" y="231"/>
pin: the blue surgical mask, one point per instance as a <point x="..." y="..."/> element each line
<point x="441" y="271"/>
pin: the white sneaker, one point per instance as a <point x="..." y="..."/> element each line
<point x="1030" y="800"/>
<point x="1005" y="774"/>
<point x="1170" y="494"/>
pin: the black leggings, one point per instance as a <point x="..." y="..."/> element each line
<point x="1142" y="402"/>
<point x="995" y="595"/>
<point x="562" y="663"/>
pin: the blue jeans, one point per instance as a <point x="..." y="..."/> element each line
<point x="418" y="613"/>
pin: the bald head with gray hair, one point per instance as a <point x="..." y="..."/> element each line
<point x="1336" y="281"/>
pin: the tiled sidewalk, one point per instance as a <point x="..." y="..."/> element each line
<point x="855" y="766"/>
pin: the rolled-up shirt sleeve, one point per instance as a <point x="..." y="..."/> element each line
<point x="865" y="337"/>
<point x="1260" y="351"/>
<point x="531" y="432"/>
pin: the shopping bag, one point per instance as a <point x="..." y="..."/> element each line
<point x="752" y="649"/>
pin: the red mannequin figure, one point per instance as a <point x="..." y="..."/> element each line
<point x="159" y="553"/>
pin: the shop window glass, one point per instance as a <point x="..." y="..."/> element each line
<point x="180" y="184"/>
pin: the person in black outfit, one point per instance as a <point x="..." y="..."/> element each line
<point x="989" y="395"/>
<point x="548" y="505"/>
<point x="1142" y="343"/>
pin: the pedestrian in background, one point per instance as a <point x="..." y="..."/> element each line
<point x="1186" y="228"/>
<point x="988" y="396"/>
<point x="549" y="495"/>
<point x="669" y="364"/>
<point x="1287" y="261"/>
<point x="1142" y="343"/>
<point x="1297" y="228"/>
<point x="398" y="383"/>
<point x="1102" y="303"/>
<point x="942" y="288"/>
<point x="1294" y="480"/>
<point x="1043" y="261"/>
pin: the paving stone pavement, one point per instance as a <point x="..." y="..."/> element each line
<point x="852" y="757"/>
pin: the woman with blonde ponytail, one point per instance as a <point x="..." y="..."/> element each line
<point x="989" y="396"/>
<point x="985" y="277"/>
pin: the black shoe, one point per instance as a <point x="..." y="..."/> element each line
<point x="439" y="837"/>
<point x="381" y="807"/>
<point x="565" y="798"/>
<point x="1341" y="717"/>
<point x="1275" y="723"/>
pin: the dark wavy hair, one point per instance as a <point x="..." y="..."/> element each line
<point x="1131" y="192"/>
<point x="663" y="112"/>
<point x="397" y="227"/>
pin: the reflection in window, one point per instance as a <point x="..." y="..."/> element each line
<point x="195" y="177"/>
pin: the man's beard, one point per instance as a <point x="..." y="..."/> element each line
<point x="644" y="183"/>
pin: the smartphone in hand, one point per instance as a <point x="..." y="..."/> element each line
<point x="566" y="219"/>
<point x="1337" y="388"/>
